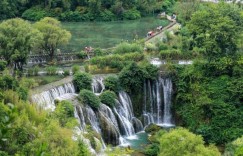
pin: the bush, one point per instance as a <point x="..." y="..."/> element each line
<point x="34" y="14"/>
<point x="3" y="65"/>
<point x="150" y="71"/>
<point x="89" y="98"/>
<point x="152" y="150"/>
<point x="82" y="81"/>
<point x="112" y="83"/>
<point x="131" y="78"/>
<point x="107" y="15"/>
<point x="127" y="48"/>
<point x="66" y="72"/>
<point x="131" y="14"/>
<point x="51" y="70"/>
<point x="116" y="61"/>
<point x="150" y="47"/>
<point x="75" y="69"/>
<point x="71" y="16"/>
<point x="171" y="54"/>
<point x="108" y="98"/>
<point x="98" y="52"/>
<point x="82" y="55"/>
<point x="36" y="69"/>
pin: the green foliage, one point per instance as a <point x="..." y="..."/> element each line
<point x="127" y="48"/>
<point x="54" y="36"/>
<point x="112" y="83"/>
<point x="150" y="71"/>
<point x="107" y="15"/>
<point x="131" y="78"/>
<point x="82" y="81"/>
<point x="108" y="98"/>
<point x="17" y="38"/>
<point x="66" y="72"/>
<point x="34" y="14"/>
<point x="116" y="61"/>
<point x="82" y="55"/>
<point x="182" y="142"/>
<point x="75" y="69"/>
<point x="216" y="33"/>
<point x="64" y="112"/>
<point x="51" y="70"/>
<point x="71" y="16"/>
<point x="131" y="14"/>
<point x="170" y="54"/>
<point x="3" y="65"/>
<point x="89" y="98"/>
<point x="152" y="150"/>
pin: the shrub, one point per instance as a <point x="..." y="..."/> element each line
<point x="51" y="70"/>
<point x="150" y="47"/>
<point x="152" y="150"/>
<point x="82" y="55"/>
<point x="131" y="78"/>
<point x="127" y="48"/>
<point x="75" y="69"/>
<point x="150" y="71"/>
<point x="89" y="98"/>
<point x="71" y="16"/>
<point x="34" y="14"/>
<point x="107" y="15"/>
<point x="108" y="98"/>
<point x="131" y="14"/>
<point x="3" y="65"/>
<point x="98" y="52"/>
<point x="170" y="54"/>
<point x="36" y="69"/>
<point x="112" y="83"/>
<point x="162" y="46"/>
<point x="82" y="80"/>
<point x="66" y="72"/>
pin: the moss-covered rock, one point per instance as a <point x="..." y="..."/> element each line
<point x="109" y="131"/>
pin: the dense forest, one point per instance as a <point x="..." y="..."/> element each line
<point x="82" y="10"/>
<point x="206" y="96"/>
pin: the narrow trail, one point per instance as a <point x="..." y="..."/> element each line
<point x="157" y="36"/>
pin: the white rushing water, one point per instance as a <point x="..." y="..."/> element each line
<point x="46" y="99"/>
<point x="157" y="97"/>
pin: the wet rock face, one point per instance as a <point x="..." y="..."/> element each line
<point x="110" y="134"/>
<point x="137" y="124"/>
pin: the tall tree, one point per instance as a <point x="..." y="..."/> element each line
<point x="53" y="34"/>
<point x="17" y="38"/>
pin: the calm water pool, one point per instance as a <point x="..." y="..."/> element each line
<point x="108" y="34"/>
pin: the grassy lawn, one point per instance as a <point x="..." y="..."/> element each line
<point x="108" y="34"/>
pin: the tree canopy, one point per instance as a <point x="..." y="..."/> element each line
<point x="53" y="35"/>
<point x="17" y="38"/>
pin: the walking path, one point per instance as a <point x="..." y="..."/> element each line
<point x="173" y="25"/>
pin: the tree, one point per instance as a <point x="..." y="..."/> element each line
<point x="182" y="142"/>
<point x="53" y="34"/>
<point x="214" y="32"/>
<point x="17" y="38"/>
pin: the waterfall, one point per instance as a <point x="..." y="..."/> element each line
<point x="157" y="102"/>
<point x="98" y="85"/>
<point x="46" y="99"/>
<point x="167" y="85"/>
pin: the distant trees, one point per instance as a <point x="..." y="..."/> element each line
<point x="53" y="35"/>
<point x="17" y="38"/>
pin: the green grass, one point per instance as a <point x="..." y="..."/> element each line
<point x="43" y="80"/>
<point x="108" y="34"/>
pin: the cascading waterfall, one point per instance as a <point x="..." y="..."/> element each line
<point x="46" y="99"/>
<point x="157" y="102"/>
<point x="98" y="85"/>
